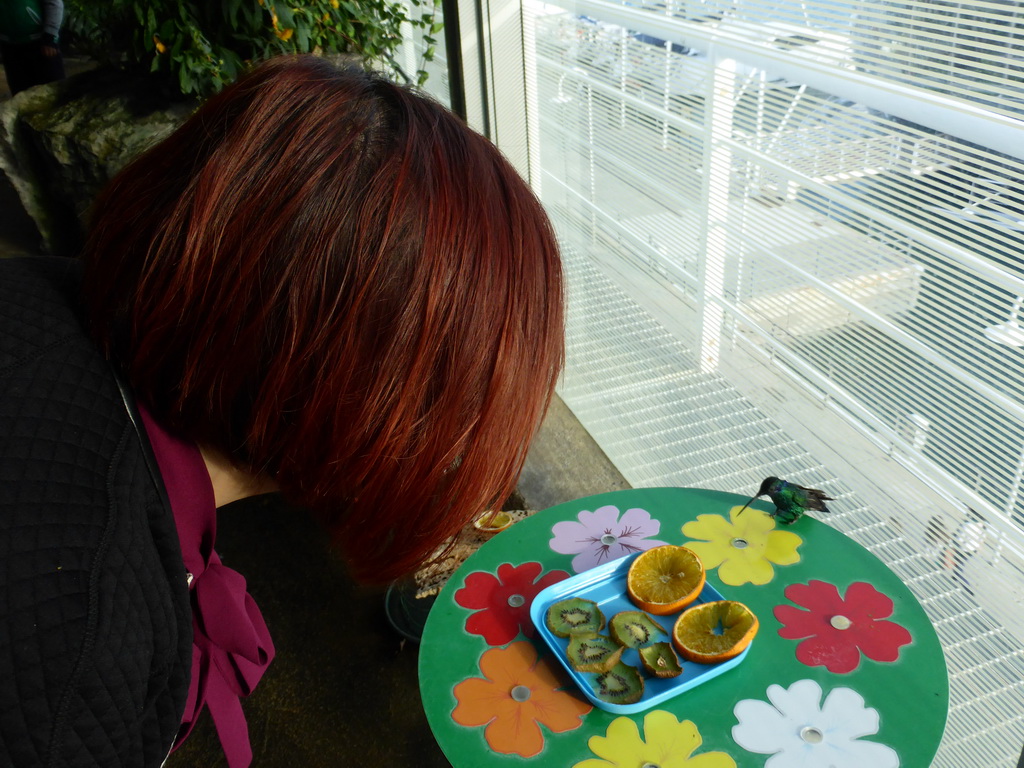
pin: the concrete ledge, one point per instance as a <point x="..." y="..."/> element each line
<point x="564" y="463"/>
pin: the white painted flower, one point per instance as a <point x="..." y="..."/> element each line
<point x="798" y="730"/>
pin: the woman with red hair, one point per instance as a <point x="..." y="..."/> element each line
<point x="321" y="285"/>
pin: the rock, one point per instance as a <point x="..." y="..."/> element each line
<point x="60" y="143"/>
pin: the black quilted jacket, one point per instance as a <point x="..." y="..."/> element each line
<point x="95" y="627"/>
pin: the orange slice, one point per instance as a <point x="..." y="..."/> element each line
<point x="714" y="632"/>
<point x="492" y="522"/>
<point x="665" y="579"/>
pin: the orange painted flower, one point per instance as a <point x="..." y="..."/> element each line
<point x="517" y="694"/>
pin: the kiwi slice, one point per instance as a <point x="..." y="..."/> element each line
<point x="574" y="615"/>
<point x="634" y="629"/>
<point x="660" y="660"/>
<point x="622" y="684"/>
<point x="591" y="652"/>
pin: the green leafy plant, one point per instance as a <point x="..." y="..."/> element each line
<point x="202" y="45"/>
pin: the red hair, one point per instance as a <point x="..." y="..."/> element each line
<point x="332" y="280"/>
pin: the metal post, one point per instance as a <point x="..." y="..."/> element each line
<point x="719" y="107"/>
<point x="453" y="54"/>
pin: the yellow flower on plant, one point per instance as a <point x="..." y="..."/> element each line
<point x="667" y="743"/>
<point x="744" y="547"/>
<point x="335" y="4"/>
<point x="160" y="47"/>
<point x="284" y="34"/>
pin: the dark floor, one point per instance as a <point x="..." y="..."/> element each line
<point x="342" y="690"/>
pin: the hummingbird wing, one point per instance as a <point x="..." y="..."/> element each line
<point x="815" y="499"/>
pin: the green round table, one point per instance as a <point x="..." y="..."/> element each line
<point x="846" y="670"/>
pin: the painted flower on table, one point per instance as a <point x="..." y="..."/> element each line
<point x="745" y="548"/>
<point x="839" y="629"/>
<point x="666" y="743"/>
<point x="518" y="693"/>
<point x="799" y="730"/>
<point x="602" y="536"/>
<point x="502" y="600"/>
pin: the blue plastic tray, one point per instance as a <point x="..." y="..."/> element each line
<point x="606" y="586"/>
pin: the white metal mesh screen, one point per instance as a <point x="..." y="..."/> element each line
<point x="794" y="236"/>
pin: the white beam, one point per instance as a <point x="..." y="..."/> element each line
<point x="737" y="40"/>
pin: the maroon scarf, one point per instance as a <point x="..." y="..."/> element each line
<point x="231" y="646"/>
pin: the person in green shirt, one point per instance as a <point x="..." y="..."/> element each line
<point x="29" y="37"/>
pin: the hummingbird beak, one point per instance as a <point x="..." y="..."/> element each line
<point x="746" y="505"/>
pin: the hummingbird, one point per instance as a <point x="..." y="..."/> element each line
<point x="790" y="500"/>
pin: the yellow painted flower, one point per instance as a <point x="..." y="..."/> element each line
<point x="284" y="34"/>
<point x="667" y="743"/>
<point x="744" y="547"/>
<point x="160" y="47"/>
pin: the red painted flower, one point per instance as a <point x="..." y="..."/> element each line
<point x="839" y="629"/>
<point x="502" y="602"/>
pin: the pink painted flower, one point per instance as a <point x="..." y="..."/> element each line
<point x="838" y="630"/>
<point x="601" y="536"/>
<point x="502" y="602"/>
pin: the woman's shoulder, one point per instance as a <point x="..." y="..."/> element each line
<point x="39" y="302"/>
<point x="92" y="585"/>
